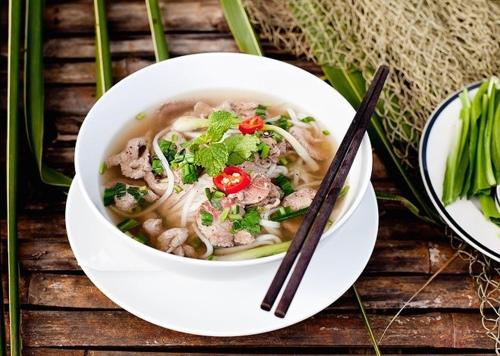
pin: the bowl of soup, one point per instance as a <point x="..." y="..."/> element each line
<point x="212" y="160"/>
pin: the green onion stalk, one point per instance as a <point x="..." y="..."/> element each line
<point x="14" y="44"/>
<point x="472" y="167"/>
<point x="156" y="26"/>
<point x="34" y="92"/>
<point x="247" y="42"/>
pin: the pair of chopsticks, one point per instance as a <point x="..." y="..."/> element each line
<point x="309" y="233"/>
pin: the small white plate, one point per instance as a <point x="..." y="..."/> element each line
<point x="463" y="216"/>
<point x="227" y="306"/>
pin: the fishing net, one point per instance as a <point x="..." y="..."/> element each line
<point x="433" y="47"/>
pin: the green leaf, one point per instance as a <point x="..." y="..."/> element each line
<point x="34" y="92"/>
<point x="351" y="85"/>
<point x="284" y="122"/>
<point x="240" y="27"/>
<point x="366" y="321"/>
<point x="206" y="218"/>
<point x="104" y="79"/>
<point x="218" y="123"/>
<point x="240" y="148"/>
<point x="489" y="209"/>
<point x="156" y="26"/>
<point x="250" y="222"/>
<point x="212" y="158"/>
<point x="12" y="158"/>
<point x="405" y="202"/>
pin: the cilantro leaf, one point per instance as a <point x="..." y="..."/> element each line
<point x="168" y="148"/>
<point x="240" y="148"/>
<point x="284" y="122"/>
<point x="218" y="123"/>
<point x="250" y="222"/>
<point x="213" y="158"/>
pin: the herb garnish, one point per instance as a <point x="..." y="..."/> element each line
<point x="249" y="222"/>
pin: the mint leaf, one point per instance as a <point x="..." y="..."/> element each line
<point x="213" y="158"/>
<point x="240" y="148"/>
<point x="218" y="123"/>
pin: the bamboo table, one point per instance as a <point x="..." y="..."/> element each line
<point x="64" y="314"/>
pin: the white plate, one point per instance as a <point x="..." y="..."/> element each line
<point x="217" y="306"/>
<point x="463" y="216"/>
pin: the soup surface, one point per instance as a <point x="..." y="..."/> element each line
<point x="222" y="177"/>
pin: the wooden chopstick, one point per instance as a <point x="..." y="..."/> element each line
<point x="310" y="231"/>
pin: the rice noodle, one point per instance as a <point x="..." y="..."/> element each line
<point x="309" y="184"/>
<point x="187" y="205"/>
<point x="271" y="169"/>
<point x="266" y="239"/>
<point x="270" y="223"/>
<point x="209" y="248"/>
<point x="192" y="134"/>
<point x="292" y="114"/>
<point x="280" y="170"/>
<point x="301" y="151"/>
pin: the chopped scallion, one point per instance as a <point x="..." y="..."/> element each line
<point x="234" y="217"/>
<point x="223" y="215"/>
<point x="103" y="168"/>
<point x="206" y="218"/>
<point x="308" y="119"/>
<point x="140" y="116"/>
<point x="261" y="110"/>
<point x="284" y="183"/>
<point x="326" y="132"/>
<point x="178" y="188"/>
<point x="127" y="224"/>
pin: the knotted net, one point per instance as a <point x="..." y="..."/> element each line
<point x="433" y="48"/>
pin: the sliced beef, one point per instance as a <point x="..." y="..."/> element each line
<point x="133" y="160"/>
<point x="153" y="227"/>
<point x="218" y="233"/>
<point x="273" y="199"/>
<point x="256" y="192"/>
<point x="276" y="149"/>
<point x="126" y="203"/>
<point x="172" y="239"/>
<point x="244" y="109"/>
<point x="307" y="139"/>
<point x="258" y="166"/>
<point x="300" y="199"/>
<point x="243" y="237"/>
<point x="202" y="109"/>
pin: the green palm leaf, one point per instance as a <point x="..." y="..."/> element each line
<point x="352" y="86"/>
<point x="14" y="44"/>
<point x="104" y="76"/>
<point x="156" y="25"/>
<point x="34" y="92"/>
<point x="240" y="27"/>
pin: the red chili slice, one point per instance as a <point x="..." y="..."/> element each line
<point x="232" y="180"/>
<point x="252" y="124"/>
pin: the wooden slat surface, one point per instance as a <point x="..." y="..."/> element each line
<point x="65" y="314"/>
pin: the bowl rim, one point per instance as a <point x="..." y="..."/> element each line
<point x="365" y="150"/>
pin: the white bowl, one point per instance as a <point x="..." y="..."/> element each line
<point x="155" y="84"/>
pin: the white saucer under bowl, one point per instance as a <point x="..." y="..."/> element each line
<point x="214" y="306"/>
<point x="463" y="216"/>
